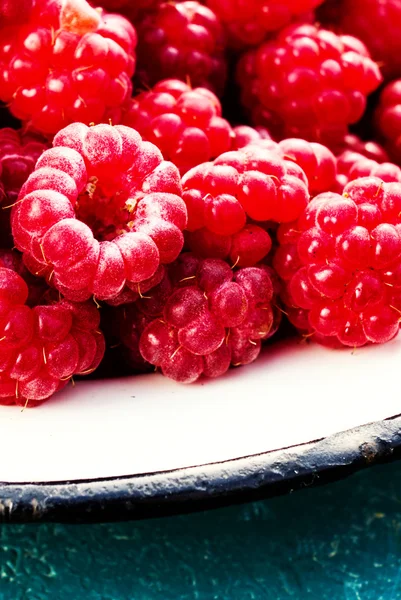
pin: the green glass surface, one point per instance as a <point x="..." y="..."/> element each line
<point x="341" y="541"/>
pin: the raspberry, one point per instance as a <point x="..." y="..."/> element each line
<point x="307" y="83"/>
<point x="202" y="318"/>
<point x="99" y="212"/>
<point x="225" y="198"/>
<point x="376" y="22"/>
<point x="15" y="12"/>
<point x="245" y="135"/>
<point x="42" y="348"/>
<point x="369" y="149"/>
<point x="69" y="63"/>
<point x="352" y="165"/>
<point x="18" y="155"/>
<point x="340" y="264"/>
<point x="388" y="118"/>
<point x="37" y="287"/>
<point x="183" y="40"/>
<point x="185" y="124"/>
<point x="249" y="23"/>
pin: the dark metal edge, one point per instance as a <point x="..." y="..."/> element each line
<point x="206" y="486"/>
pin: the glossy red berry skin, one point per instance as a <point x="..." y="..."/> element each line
<point x="132" y="10"/>
<point x="100" y="212"/>
<point x="249" y="23"/>
<point x="69" y="63"/>
<point x="184" y="123"/>
<point x="231" y="201"/>
<point x="370" y="149"/>
<point x="43" y="347"/>
<point x="307" y="83"/>
<point x="202" y="318"/>
<point x="183" y="40"/>
<point x="388" y="119"/>
<point x="339" y="263"/>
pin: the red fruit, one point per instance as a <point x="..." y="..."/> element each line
<point x="18" y="155"/>
<point x="100" y="211"/>
<point x="225" y="198"/>
<point x="376" y="22"/>
<point x="339" y="264"/>
<point x="351" y="165"/>
<point x="249" y="23"/>
<point x="388" y="119"/>
<point x="69" y="63"/>
<point x="183" y="40"/>
<point x="185" y="123"/>
<point x="244" y="135"/>
<point x="369" y="149"/>
<point x="307" y="83"/>
<point x="44" y="346"/>
<point x="210" y="317"/>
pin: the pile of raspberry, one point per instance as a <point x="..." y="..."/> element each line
<point x="184" y="123"/>
<point x="182" y="40"/>
<point x="203" y="318"/>
<point x="308" y="83"/>
<point x="69" y="62"/>
<point x="242" y="182"/>
<point x="340" y="263"/>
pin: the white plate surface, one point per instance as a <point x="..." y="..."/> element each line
<point x="294" y="393"/>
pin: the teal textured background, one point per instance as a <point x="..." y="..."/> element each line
<point x="339" y="542"/>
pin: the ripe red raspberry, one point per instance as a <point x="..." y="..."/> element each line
<point x="18" y="155"/>
<point x="249" y="23"/>
<point x="99" y="212"/>
<point x="369" y="149"/>
<point x="340" y="263"/>
<point x="225" y="199"/>
<point x="69" y="63"/>
<point x="352" y="165"/>
<point x="388" y="119"/>
<point x="185" y="123"/>
<point x="183" y="40"/>
<point x="376" y="22"/>
<point x="245" y="135"/>
<point x="307" y="83"/>
<point x="203" y="318"/>
<point x="15" y="12"/>
<point x="41" y="348"/>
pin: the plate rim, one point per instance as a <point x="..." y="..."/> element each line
<point x="205" y="486"/>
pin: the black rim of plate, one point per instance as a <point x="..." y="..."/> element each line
<point x="203" y="486"/>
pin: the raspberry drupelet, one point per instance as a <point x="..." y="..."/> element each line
<point x="69" y="63"/>
<point x="340" y="265"/>
<point x="183" y="40"/>
<point x="245" y="135"/>
<point x="185" y="123"/>
<point x="203" y="318"/>
<point x="388" y="119"/>
<point x="43" y="347"/>
<point x="232" y="201"/>
<point x="307" y="83"/>
<point x="100" y="212"/>
<point x="18" y="155"/>
<point x="249" y="23"/>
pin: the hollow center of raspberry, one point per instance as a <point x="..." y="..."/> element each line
<point x="108" y="209"/>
